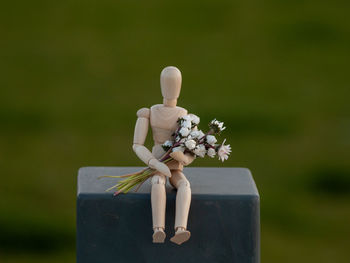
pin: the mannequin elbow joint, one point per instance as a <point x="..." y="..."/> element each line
<point x="135" y="146"/>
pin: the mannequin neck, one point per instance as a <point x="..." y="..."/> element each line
<point x="169" y="103"/>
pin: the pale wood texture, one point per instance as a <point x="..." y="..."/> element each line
<point x="184" y="159"/>
<point x="163" y="121"/>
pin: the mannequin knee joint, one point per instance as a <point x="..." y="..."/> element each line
<point x="157" y="179"/>
<point x="184" y="183"/>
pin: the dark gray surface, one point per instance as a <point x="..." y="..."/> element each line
<point x="224" y="219"/>
<point x="208" y="181"/>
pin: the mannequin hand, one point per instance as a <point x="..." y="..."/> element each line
<point x="184" y="159"/>
<point x="160" y="167"/>
<point x="178" y="156"/>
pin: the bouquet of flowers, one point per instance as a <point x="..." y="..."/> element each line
<point x="187" y="139"/>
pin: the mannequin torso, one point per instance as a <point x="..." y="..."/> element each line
<point x="163" y="122"/>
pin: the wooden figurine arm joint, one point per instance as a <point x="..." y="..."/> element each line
<point x="143" y="153"/>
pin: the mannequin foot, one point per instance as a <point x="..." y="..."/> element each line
<point x="181" y="236"/>
<point x="158" y="235"/>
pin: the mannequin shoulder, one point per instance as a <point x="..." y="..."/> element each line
<point x="181" y="111"/>
<point x="143" y="113"/>
<point x="157" y="107"/>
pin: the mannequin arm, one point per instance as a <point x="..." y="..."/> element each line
<point x="140" y="134"/>
<point x="184" y="159"/>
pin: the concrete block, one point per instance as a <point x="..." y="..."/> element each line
<point x="224" y="219"/>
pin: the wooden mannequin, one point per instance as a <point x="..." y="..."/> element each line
<point x="163" y="120"/>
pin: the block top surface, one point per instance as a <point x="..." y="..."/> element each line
<point x="204" y="181"/>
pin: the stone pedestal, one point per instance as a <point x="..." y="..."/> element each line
<point x="224" y="219"/>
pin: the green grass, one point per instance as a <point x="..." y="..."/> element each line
<point x="74" y="73"/>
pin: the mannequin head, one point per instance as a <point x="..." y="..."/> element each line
<point x="170" y="84"/>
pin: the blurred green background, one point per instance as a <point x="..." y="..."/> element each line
<point x="74" y="73"/>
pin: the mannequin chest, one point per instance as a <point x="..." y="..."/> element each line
<point x="163" y="121"/>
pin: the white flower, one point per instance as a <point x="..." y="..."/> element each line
<point x="179" y="149"/>
<point x="168" y="144"/>
<point x="211" y="152"/>
<point x="200" y="150"/>
<point x="224" y="151"/>
<point x="178" y="138"/>
<point x="184" y="131"/>
<point x="190" y="144"/>
<point x="217" y="126"/>
<point x="201" y="134"/>
<point x="186" y="124"/>
<point x="195" y="119"/>
<point x="211" y="139"/>
<point x="194" y="134"/>
<point x="187" y="117"/>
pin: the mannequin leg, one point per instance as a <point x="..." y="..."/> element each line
<point x="158" y="202"/>
<point x="183" y="201"/>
